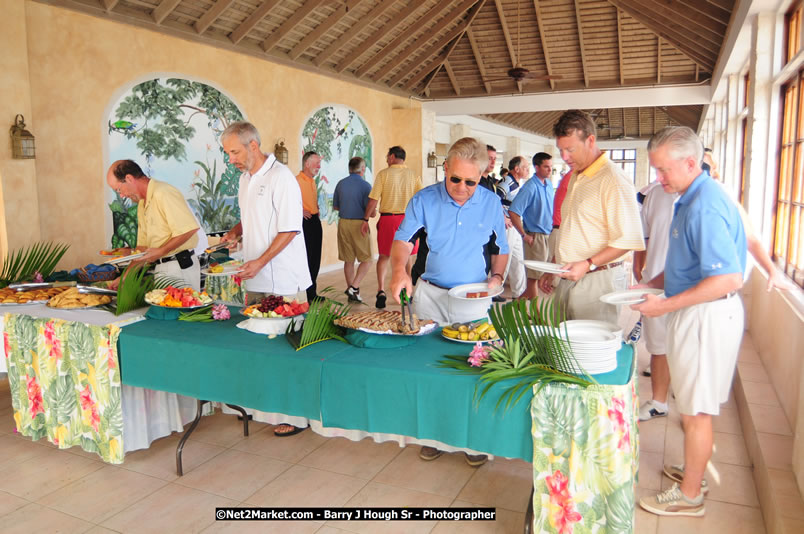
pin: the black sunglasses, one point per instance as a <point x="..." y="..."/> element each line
<point x="456" y="180"/>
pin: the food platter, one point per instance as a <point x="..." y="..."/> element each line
<point x="270" y="318"/>
<point x="469" y="341"/>
<point x="381" y="322"/>
<point x="180" y="308"/>
<point x="461" y="291"/>
<point x="228" y="270"/>
<point x="544" y="266"/>
<point x="629" y="296"/>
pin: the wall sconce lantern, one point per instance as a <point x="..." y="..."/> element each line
<point x="281" y="152"/>
<point x="432" y="160"/>
<point x="22" y="141"/>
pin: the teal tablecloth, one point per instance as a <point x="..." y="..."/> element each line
<point x="396" y="391"/>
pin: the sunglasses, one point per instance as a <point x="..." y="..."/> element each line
<point x="456" y="180"/>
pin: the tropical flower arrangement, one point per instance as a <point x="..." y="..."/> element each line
<point x="530" y="351"/>
<point x="26" y="263"/>
<point x="207" y="314"/>
<point x="319" y="322"/>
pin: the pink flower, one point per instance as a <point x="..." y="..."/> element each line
<point x="38" y="278"/>
<point x="6" y="345"/>
<point x="86" y="398"/>
<point x="220" y="312"/>
<point x="617" y="417"/>
<point x="34" y="396"/>
<point x="478" y="355"/>
<point x="563" y="512"/>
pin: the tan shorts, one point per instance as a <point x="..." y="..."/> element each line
<point x="352" y="244"/>
<point x="551" y="243"/>
<point x="581" y="299"/>
<point x="538" y="251"/>
<point x="703" y="342"/>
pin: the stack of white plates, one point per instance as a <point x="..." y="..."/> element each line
<point x="594" y="344"/>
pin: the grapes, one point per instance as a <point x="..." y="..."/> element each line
<point x="270" y="303"/>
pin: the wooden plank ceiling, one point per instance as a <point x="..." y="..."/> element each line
<point x="461" y="48"/>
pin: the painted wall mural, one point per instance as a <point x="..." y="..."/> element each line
<point x="337" y="133"/>
<point x="171" y="127"/>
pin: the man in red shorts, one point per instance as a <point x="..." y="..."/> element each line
<point x="392" y="190"/>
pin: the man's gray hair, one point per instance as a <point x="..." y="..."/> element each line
<point x="682" y="142"/>
<point x="470" y="149"/>
<point x="245" y="132"/>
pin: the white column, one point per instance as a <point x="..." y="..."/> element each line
<point x="732" y="156"/>
<point x="458" y="131"/>
<point x="428" y="146"/>
<point x="513" y="147"/>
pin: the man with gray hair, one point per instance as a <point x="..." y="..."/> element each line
<point x="703" y="271"/>
<point x="458" y="219"/>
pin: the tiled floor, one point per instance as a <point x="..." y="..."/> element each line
<point x="43" y="489"/>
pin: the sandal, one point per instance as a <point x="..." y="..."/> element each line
<point x="380" y="299"/>
<point x="293" y="432"/>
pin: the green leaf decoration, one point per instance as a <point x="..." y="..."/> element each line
<point x="135" y="282"/>
<point x="319" y="322"/>
<point x="62" y="398"/>
<point x="114" y="415"/>
<point x="80" y="344"/>
<point x="560" y="419"/>
<point x="26" y="332"/>
<point x="21" y="264"/>
<point x="620" y="510"/>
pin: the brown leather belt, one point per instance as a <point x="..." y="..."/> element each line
<point x="608" y="266"/>
<point x="434" y="285"/>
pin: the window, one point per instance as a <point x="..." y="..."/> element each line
<point x="743" y="132"/>
<point x="793" y="27"/>
<point x="626" y="159"/>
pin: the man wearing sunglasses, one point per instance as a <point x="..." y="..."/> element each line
<point x="458" y="219"/>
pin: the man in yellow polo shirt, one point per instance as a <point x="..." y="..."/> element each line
<point x="311" y="223"/>
<point x="393" y="188"/>
<point x="600" y="224"/>
<point x="166" y="228"/>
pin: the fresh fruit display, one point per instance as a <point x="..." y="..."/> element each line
<point x="276" y="306"/>
<point x="177" y="297"/>
<point x="470" y="332"/>
<point x="215" y="268"/>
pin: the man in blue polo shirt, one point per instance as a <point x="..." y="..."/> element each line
<point x="703" y="271"/>
<point x="532" y="216"/>
<point x="459" y="219"/>
<point x="350" y="198"/>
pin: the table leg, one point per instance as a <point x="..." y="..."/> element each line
<point x="186" y="435"/>
<point x="245" y="417"/>
<point x="529" y="514"/>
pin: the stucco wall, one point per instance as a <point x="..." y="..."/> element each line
<point x="79" y="63"/>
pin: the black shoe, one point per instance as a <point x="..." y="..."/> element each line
<point x="498" y="298"/>
<point x="353" y="294"/>
<point x="380" y="300"/>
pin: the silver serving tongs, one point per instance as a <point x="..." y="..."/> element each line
<point x="223" y="244"/>
<point x="25" y="286"/>
<point x="404" y="300"/>
<point x="96" y="290"/>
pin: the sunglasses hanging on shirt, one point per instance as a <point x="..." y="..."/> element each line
<point x="456" y="180"/>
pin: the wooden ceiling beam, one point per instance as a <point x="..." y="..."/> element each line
<point x="206" y="20"/>
<point x="478" y="59"/>
<point x="247" y="25"/>
<point x="342" y="41"/>
<point x="507" y="35"/>
<point x="681" y="18"/>
<point x="164" y="9"/>
<point x="620" y="44"/>
<point x="458" y="12"/>
<point x="458" y="32"/>
<point x="322" y="28"/>
<point x="708" y="9"/>
<point x="386" y="30"/>
<point x="543" y="38"/>
<point x="684" y="115"/>
<point x="299" y="15"/>
<point x="658" y="59"/>
<point x="580" y="42"/>
<point x="109" y="5"/>
<point x="452" y="79"/>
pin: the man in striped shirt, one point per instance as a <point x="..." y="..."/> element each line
<point x="600" y="224"/>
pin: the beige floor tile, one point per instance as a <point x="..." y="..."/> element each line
<point x="777" y="451"/>
<point x="102" y="494"/>
<point x="650" y="470"/>
<point x="652" y="435"/>
<point x="752" y="372"/>
<point x="783" y="482"/>
<point x="37" y="518"/>
<point x="159" y="460"/>
<point x="172" y="508"/>
<point x="267" y="527"/>
<point x="224" y="430"/>
<point x="306" y="486"/>
<point x="760" y="393"/>
<point x="770" y="419"/>
<point x="790" y="506"/>
<point x="442" y="476"/>
<point x="234" y="474"/>
<point x="97" y="529"/>
<point x="506" y="522"/>
<point x="361" y="459"/>
<point x="720" y="518"/>
<point x="792" y="525"/>
<point x="727" y="421"/>
<point x="644" y="522"/>
<point x="730" y="449"/>
<point x="748" y="353"/>
<point x="9" y="503"/>
<point x="326" y="529"/>
<point x="288" y="449"/>
<point x="14" y="450"/>
<point x="45" y="473"/>
<point x="502" y="484"/>
<point x="375" y="495"/>
<point x="674" y="445"/>
<point x="736" y="485"/>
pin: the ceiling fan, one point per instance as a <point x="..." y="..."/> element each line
<point x="519" y="73"/>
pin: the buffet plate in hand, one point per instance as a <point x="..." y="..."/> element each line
<point x="460" y="292"/>
<point x="544" y="266"/>
<point x="227" y="270"/>
<point x="629" y="296"/>
<point x="125" y="259"/>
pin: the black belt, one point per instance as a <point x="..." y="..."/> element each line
<point x="728" y="295"/>
<point x="435" y="285"/>
<point x="175" y="257"/>
<point x="387" y="214"/>
<point x="555" y="227"/>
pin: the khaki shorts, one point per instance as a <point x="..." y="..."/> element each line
<point x="538" y="251"/>
<point x="581" y="299"/>
<point x="352" y="244"/>
<point x="551" y="243"/>
<point x="703" y="342"/>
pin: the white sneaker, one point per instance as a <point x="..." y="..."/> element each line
<point x="650" y="410"/>
<point x="353" y="294"/>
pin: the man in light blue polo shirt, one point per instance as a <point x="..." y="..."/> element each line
<point x="459" y="219"/>
<point x="532" y="216"/>
<point x="350" y="198"/>
<point x="703" y="271"/>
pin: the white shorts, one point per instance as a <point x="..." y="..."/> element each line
<point x="655" y="334"/>
<point x="431" y="302"/>
<point x="703" y="342"/>
<point x="191" y="275"/>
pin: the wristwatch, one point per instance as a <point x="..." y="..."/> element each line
<point x="592" y="266"/>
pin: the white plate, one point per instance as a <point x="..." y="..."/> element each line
<point x="227" y="270"/>
<point x="459" y="292"/>
<point x="271" y="318"/>
<point x="544" y="266"/>
<point x="426" y="329"/>
<point x="124" y="259"/>
<point x="629" y="296"/>
<point x="603" y="325"/>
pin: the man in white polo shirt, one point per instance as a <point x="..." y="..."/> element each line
<point x="270" y="223"/>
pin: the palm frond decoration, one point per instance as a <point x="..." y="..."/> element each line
<point x="319" y="323"/>
<point x="533" y="352"/>
<point x="21" y="264"/>
<point x="135" y="282"/>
